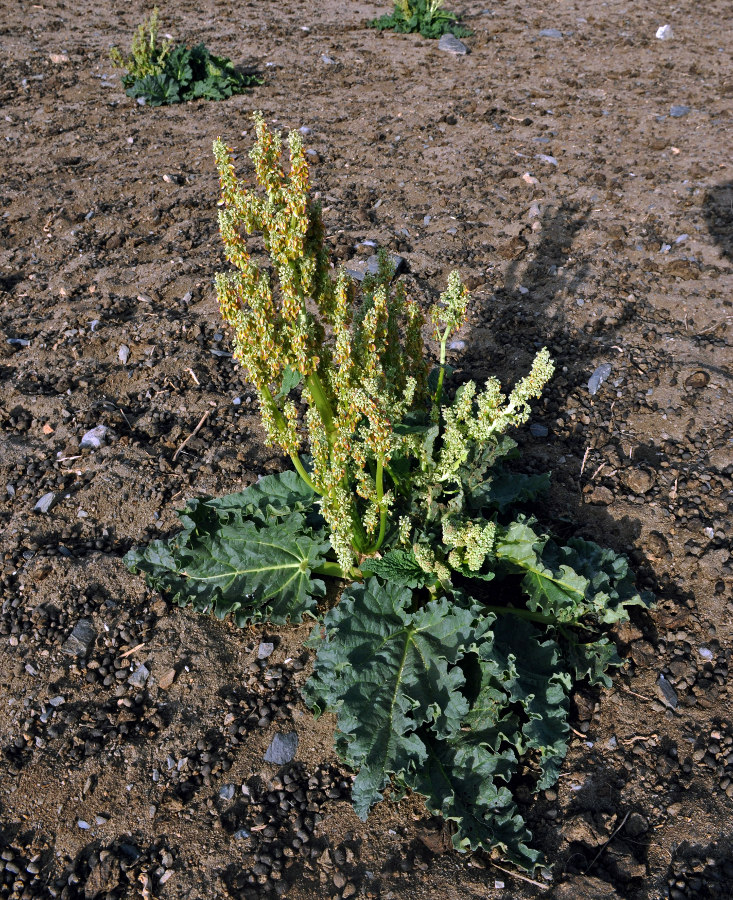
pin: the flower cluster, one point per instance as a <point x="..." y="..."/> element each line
<point x="358" y="376"/>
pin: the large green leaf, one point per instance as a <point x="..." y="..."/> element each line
<point x="252" y="572"/>
<point x="533" y="675"/>
<point x="458" y="781"/>
<point x="386" y="671"/>
<point x="250" y="554"/>
<point x="272" y="497"/>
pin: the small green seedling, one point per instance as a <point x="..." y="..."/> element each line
<point x="424" y="16"/>
<point x="160" y="73"/>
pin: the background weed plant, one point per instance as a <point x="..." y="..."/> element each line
<point x="462" y="625"/>
<point x="163" y="74"/>
<point x="424" y="16"/>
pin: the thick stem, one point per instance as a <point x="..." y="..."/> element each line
<point x="281" y="424"/>
<point x="300" y="469"/>
<point x="437" y="399"/>
<point x="333" y="570"/>
<point x="382" y="509"/>
<point x="322" y="405"/>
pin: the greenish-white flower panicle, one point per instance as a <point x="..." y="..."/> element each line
<point x="359" y="354"/>
<point x="469" y="543"/>
<point x="450" y="312"/>
<point x="483" y="417"/>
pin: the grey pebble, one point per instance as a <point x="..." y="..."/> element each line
<point x="537" y="430"/>
<point x="226" y="792"/>
<point x="241" y="834"/>
<point x="139" y="676"/>
<point x="83" y="825"/>
<point x="705" y="652"/>
<point x="93" y="438"/>
<point x="667" y="692"/>
<point x="57" y="701"/>
<point x="677" y="111"/>
<point x="358" y="270"/>
<point x="44" y="503"/>
<point x="282" y="749"/>
<point x="551" y="33"/>
<point x="265" y="649"/>
<point x="81" y="639"/>
<point x="450" y="43"/>
<point x="17" y="342"/>
<point x="598" y="377"/>
<point x="123" y="354"/>
<point x="327" y="60"/>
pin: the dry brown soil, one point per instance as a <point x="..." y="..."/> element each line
<point x="584" y="214"/>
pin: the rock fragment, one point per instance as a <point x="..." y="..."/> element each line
<point x="81" y="639"/>
<point x="44" y="503"/>
<point x="450" y="44"/>
<point x="282" y="749"/>
<point x="94" y="438"/>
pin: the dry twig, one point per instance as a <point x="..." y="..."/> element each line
<point x="193" y="433"/>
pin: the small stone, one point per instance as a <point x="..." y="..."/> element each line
<point x="537" y="430"/>
<point x="697" y="380"/>
<point x="57" y="701"/>
<point x="166" y="876"/>
<point x="282" y="749"/>
<point x="93" y="438"/>
<point x="598" y="377"/>
<point x="58" y="59"/>
<point x="265" y="649"/>
<point x="101" y="819"/>
<point x="667" y="692"/>
<point x="636" y="825"/>
<point x="551" y="33"/>
<point x="44" y="503"/>
<point x="226" y="792"/>
<point x="543" y="157"/>
<point x="167" y="679"/>
<point x="241" y="835"/>
<point x="339" y="880"/>
<point x="81" y="639"/>
<point x="173" y="179"/>
<point x="83" y="825"/>
<point x="638" y="481"/>
<point x="705" y="652"/>
<point x="676" y="111"/>
<point x="601" y="496"/>
<point x="358" y="270"/>
<point x="139" y="676"/>
<point x="348" y="891"/>
<point x="123" y="354"/>
<point x="665" y="33"/>
<point x="450" y="44"/>
<point x="327" y="60"/>
<point x="674" y="809"/>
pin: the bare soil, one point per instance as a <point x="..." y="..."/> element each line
<point x="582" y="185"/>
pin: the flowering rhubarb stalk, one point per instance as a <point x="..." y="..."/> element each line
<point x="357" y="355"/>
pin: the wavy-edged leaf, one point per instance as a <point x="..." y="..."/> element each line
<point x="251" y="572"/>
<point x="591" y="660"/>
<point x="386" y="671"/>
<point x="400" y="568"/>
<point x="611" y="588"/>
<point x="458" y="781"/>
<point x="505" y="489"/>
<point x="533" y="675"/>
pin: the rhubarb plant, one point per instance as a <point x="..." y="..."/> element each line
<point x="462" y="625"/>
